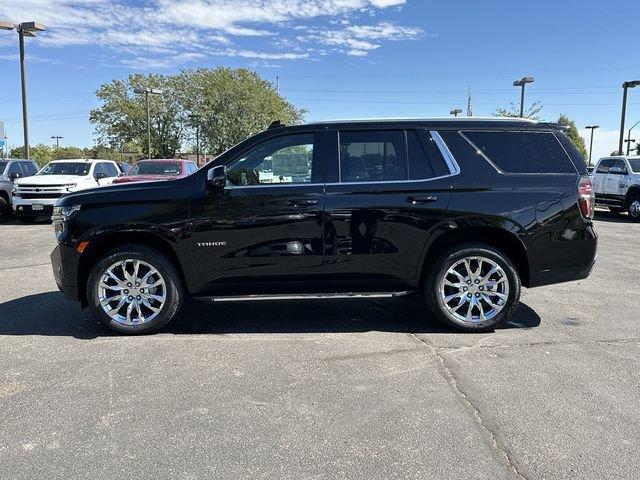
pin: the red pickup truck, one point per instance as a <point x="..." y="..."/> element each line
<point x="157" y="170"/>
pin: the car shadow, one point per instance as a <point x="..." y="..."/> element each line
<point x="51" y="314"/>
<point x="607" y="216"/>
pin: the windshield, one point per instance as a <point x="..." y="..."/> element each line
<point x="3" y="165"/>
<point x="66" y="168"/>
<point x="155" y="168"/>
<point x="635" y="164"/>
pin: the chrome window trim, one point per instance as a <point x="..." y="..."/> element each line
<point x="262" y="185"/>
<point x="449" y="159"/>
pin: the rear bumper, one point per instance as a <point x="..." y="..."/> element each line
<point x="560" y="275"/>
<point x="65" y="272"/>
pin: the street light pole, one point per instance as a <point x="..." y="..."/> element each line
<point x="629" y="136"/>
<point x="521" y="83"/>
<point x="196" y="119"/>
<point x="25" y="29"/>
<point x="147" y="92"/>
<point x="57" y="139"/>
<point x="592" y="128"/>
<point x="625" y="87"/>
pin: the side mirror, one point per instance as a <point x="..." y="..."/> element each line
<point x="217" y="177"/>
<point x="14" y="176"/>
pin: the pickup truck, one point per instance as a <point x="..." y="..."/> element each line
<point x="616" y="182"/>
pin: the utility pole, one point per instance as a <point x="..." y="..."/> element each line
<point x="629" y="136"/>
<point x="196" y="119"/>
<point x="592" y="128"/>
<point x="521" y="83"/>
<point x="625" y="87"/>
<point x="147" y="92"/>
<point x="57" y="139"/>
<point x="278" y="84"/>
<point x="25" y="29"/>
<point x="629" y="141"/>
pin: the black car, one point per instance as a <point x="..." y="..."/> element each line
<point x="460" y="211"/>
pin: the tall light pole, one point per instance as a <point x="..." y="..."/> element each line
<point x="625" y="87"/>
<point x="592" y="128"/>
<point x="57" y="139"/>
<point x="25" y="29"/>
<point x="521" y="83"/>
<point x="455" y="111"/>
<point x="629" y="136"/>
<point x="196" y="119"/>
<point x="147" y="92"/>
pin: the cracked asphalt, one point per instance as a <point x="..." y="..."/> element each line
<point x="322" y="389"/>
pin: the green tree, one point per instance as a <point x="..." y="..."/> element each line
<point x="41" y="153"/>
<point x="514" y="111"/>
<point x="572" y="132"/>
<point x="230" y="104"/>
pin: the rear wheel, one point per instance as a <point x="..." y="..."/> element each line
<point x="134" y="289"/>
<point x="472" y="287"/>
<point x="634" y="207"/>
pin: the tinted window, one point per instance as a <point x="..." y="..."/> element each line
<point x="635" y="164"/>
<point x="523" y="152"/>
<point x="14" y="168"/>
<point x="619" y="163"/>
<point x="28" y="168"/>
<point x="419" y="166"/>
<point x="287" y="159"/>
<point x="605" y="165"/>
<point x="99" y="170"/>
<point x="372" y="156"/>
<point x="111" y="169"/>
<point x="576" y="157"/>
<point x="3" y="165"/>
<point x="66" y="168"/>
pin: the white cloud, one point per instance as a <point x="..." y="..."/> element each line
<point x="139" y="31"/>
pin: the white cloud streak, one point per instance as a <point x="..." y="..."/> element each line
<point x="158" y="33"/>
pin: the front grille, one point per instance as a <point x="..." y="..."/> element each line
<point x="40" y="195"/>
<point x="25" y="185"/>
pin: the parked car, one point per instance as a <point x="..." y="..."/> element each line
<point x="10" y="170"/>
<point x="616" y="183"/>
<point x="157" y="170"/>
<point x="461" y="211"/>
<point x="36" y="195"/>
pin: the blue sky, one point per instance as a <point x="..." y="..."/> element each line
<point x="336" y="58"/>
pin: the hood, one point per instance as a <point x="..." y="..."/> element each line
<point x="144" y="178"/>
<point x="50" y="180"/>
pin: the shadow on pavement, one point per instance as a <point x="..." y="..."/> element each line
<point x="51" y="314"/>
<point x="607" y="216"/>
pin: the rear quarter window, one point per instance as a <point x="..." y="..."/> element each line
<point x="525" y="152"/>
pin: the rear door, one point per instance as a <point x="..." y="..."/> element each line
<point x="386" y="189"/>
<point x="600" y="175"/>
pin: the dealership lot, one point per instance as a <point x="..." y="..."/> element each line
<point x="339" y="389"/>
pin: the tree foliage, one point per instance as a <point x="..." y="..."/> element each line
<point x="532" y="112"/>
<point x="226" y="105"/>
<point x="573" y="134"/>
<point x="43" y="154"/>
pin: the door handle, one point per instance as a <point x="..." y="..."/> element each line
<point x="305" y="202"/>
<point x="422" y="199"/>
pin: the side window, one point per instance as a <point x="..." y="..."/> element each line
<point x="111" y="169"/>
<point x="522" y="151"/>
<point x="605" y="165"/>
<point x="28" y="169"/>
<point x="286" y="159"/>
<point x="191" y="167"/>
<point x="14" y="168"/>
<point x="619" y="163"/>
<point x="372" y="156"/>
<point x="99" y="169"/>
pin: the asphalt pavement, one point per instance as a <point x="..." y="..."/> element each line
<point x="355" y="389"/>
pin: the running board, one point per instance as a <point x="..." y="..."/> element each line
<point x="302" y="296"/>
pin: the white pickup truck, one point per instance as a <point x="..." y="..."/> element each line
<point x="35" y="195"/>
<point x="616" y="182"/>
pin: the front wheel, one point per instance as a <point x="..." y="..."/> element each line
<point x="634" y="208"/>
<point x="472" y="287"/>
<point x="134" y="289"/>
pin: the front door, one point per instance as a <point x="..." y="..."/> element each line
<point x="266" y="224"/>
<point x="390" y="188"/>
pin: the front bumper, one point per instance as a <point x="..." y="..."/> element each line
<point x="23" y="206"/>
<point x="65" y="271"/>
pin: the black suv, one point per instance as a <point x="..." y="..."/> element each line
<point x="461" y="211"/>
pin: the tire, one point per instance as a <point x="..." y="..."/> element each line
<point x="504" y="282"/>
<point x="616" y="209"/>
<point x="134" y="309"/>
<point x="634" y="208"/>
<point x="5" y="209"/>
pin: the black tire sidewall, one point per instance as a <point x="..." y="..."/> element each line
<point x="439" y="270"/>
<point x="633" y="199"/>
<point x="153" y="258"/>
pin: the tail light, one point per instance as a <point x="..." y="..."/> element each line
<point x="586" y="197"/>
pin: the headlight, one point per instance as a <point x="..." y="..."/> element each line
<point x="64" y="213"/>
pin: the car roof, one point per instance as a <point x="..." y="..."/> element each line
<point x="434" y="121"/>
<point x="162" y="160"/>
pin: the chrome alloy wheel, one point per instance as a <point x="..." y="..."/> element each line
<point x="634" y="209"/>
<point x="132" y="292"/>
<point x="474" y="290"/>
